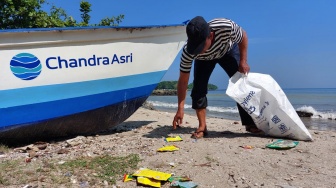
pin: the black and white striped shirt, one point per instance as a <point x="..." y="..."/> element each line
<point x="226" y="33"/>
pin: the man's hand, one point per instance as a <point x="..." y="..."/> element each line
<point x="244" y="67"/>
<point x="178" y="119"/>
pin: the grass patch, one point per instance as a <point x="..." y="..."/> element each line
<point x="104" y="167"/>
<point x="92" y="170"/>
<point x="3" y="148"/>
<point x="7" y="170"/>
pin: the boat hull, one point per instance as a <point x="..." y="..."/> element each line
<point x="84" y="123"/>
<point x="79" y="81"/>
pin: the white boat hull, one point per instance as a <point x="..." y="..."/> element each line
<point x="79" y="81"/>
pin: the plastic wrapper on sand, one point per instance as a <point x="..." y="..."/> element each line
<point x="168" y="148"/>
<point x="157" y="175"/>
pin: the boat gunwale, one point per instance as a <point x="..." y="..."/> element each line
<point x="60" y="29"/>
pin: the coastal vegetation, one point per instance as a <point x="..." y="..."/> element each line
<point x="172" y="85"/>
<point x="170" y="88"/>
<point x="30" y="14"/>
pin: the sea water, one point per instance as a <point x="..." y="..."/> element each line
<point x="321" y="102"/>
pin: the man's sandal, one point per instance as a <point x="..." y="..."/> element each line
<point x="199" y="134"/>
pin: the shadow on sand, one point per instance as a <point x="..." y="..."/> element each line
<point x="159" y="131"/>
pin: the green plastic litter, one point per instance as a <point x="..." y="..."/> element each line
<point x="282" y="144"/>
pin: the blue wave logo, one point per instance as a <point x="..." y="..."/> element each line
<point x="25" y="66"/>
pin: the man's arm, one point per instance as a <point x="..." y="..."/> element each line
<point x="243" y="65"/>
<point x="182" y="86"/>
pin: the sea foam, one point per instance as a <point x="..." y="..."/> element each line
<point x="186" y="106"/>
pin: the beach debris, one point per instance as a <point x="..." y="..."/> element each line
<point x="26" y="148"/>
<point x="41" y="145"/>
<point x="83" y="184"/>
<point x="148" y="181"/>
<point x="184" y="184"/>
<point x="173" y="139"/>
<point x="154" y="178"/>
<point x="28" y="160"/>
<point x="75" y="141"/>
<point x="148" y="177"/>
<point x="282" y="144"/>
<point x="32" y="153"/>
<point x="62" y="151"/>
<point x="128" y="177"/>
<point x="68" y="174"/>
<point x="168" y="148"/>
<point x="172" y="164"/>
<point x="247" y="147"/>
<point x="2" y="154"/>
<point x="179" y="178"/>
<point x="157" y="175"/>
<point x="194" y="140"/>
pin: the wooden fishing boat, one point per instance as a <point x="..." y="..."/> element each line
<point x="69" y="81"/>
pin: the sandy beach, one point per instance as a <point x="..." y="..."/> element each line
<point x="219" y="160"/>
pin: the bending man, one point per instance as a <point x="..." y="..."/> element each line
<point x="219" y="41"/>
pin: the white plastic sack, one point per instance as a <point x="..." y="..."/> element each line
<point x="267" y="104"/>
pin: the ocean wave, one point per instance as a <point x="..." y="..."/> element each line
<point x="317" y="114"/>
<point x="166" y="105"/>
<point x="234" y="110"/>
<point x="186" y="106"/>
<point x="222" y="109"/>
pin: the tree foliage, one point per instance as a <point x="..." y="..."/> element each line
<point x="167" y="85"/>
<point x="16" y="14"/>
<point x="85" y="8"/>
<point x="210" y="86"/>
<point x="113" y="21"/>
<point x="173" y="85"/>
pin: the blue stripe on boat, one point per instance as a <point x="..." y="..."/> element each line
<point x="42" y="111"/>
<point x="40" y="94"/>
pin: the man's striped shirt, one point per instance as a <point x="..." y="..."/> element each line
<point x="226" y="33"/>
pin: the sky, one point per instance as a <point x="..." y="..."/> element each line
<point x="294" y="41"/>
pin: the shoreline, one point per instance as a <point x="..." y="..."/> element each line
<point x="219" y="160"/>
<point x="311" y="122"/>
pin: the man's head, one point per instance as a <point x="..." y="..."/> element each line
<point x="197" y="31"/>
